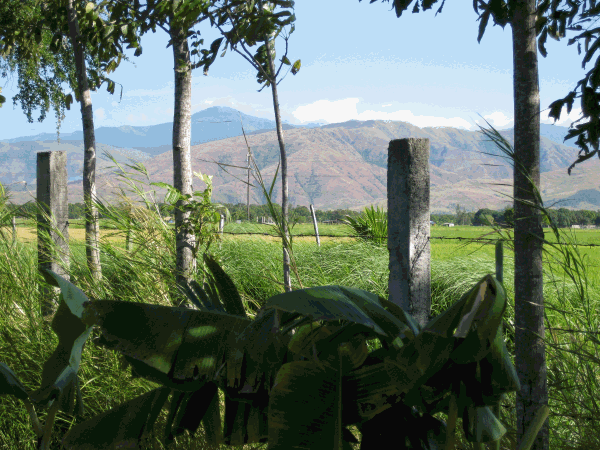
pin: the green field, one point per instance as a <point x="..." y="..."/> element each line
<point x="254" y="263"/>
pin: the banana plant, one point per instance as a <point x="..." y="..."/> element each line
<point x="291" y="390"/>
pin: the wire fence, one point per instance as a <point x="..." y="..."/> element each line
<point x="486" y="240"/>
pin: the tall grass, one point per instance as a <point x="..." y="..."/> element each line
<point x="570" y="306"/>
<point x="144" y="274"/>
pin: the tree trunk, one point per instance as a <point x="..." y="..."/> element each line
<point x="92" y="229"/>
<point x="284" y="179"/>
<point x="182" y="164"/>
<point x="530" y="355"/>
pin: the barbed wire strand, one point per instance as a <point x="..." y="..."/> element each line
<point x="431" y="237"/>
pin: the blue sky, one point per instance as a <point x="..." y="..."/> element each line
<point x="358" y="62"/>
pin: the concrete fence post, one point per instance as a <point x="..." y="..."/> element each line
<point x="52" y="219"/>
<point x="408" y="227"/>
<point x="314" y="218"/>
<point x="499" y="262"/>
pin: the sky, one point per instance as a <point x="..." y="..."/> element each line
<point x="359" y="61"/>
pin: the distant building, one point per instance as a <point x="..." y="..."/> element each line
<point x="265" y="220"/>
<point x="448" y="224"/>
<point x="575" y="226"/>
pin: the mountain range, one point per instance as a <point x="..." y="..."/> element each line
<point x="342" y="165"/>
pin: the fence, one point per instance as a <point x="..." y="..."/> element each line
<point x="408" y="224"/>
<point x="52" y="223"/>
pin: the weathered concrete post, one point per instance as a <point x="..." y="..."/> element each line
<point x="314" y="218"/>
<point x="408" y="226"/>
<point x="52" y="199"/>
<point x="499" y="262"/>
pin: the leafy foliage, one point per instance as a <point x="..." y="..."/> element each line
<point x="266" y="372"/>
<point x="35" y="45"/>
<point x="370" y="225"/>
<point x="203" y="220"/>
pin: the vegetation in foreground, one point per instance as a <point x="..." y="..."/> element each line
<point x="143" y="274"/>
<point x="26" y="340"/>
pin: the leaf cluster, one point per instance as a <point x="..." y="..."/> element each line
<point x="251" y="23"/>
<point x="321" y="379"/>
<point x="371" y="225"/>
<point x="204" y="217"/>
<point x="35" y="45"/>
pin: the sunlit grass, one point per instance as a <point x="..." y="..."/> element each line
<point x="252" y="264"/>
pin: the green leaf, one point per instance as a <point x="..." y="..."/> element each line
<point x="172" y="196"/>
<point x="285" y="60"/>
<point x="2" y="100"/>
<point x="296" y="67"/>
<point x="89" y="7"/>
<point x="183" y="344"/>
<point x="59" y="376"/>
<point x="122" y="426"/>
<point x="112" y="65"/>
<point x="542" y="41"/>
<point x="68" y="101"/>
<point x="74" y="297"/>
<point x="333" y="303"/>
<point x="294" y="416"/>
<point x="193" y="409"/>
<point x="229" y="294"/>
<point x="484" y="17"/>
<point x="10" y="383"/>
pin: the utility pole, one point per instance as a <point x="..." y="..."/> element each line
<point x="248" y="188"/>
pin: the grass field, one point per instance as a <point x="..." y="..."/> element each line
<point x="254" y="263"/>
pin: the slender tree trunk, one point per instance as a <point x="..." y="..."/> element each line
<point x="92" y="229"/>
<point x="530" y="351"/>
<point x="182" y="163"/>
<point x="284" y="179"/>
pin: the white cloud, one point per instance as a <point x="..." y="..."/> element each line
<point x="498" y="119"/>
<point x="100" y="114"/>
<point x="419" y="121"/>
<point x="343" y="110"/>
<point x="387" y="104"/>
<point x="331" y="111"/>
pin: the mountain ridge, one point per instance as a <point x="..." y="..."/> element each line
<point x="340" y="165"/>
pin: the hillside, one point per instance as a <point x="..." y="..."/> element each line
<point x="334" y="166"/>
<point x="344" y="166"/>
<point x="17" y="156"/>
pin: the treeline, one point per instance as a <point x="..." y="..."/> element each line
<point x="301" y="214"/>
<point x="562" y="217"/>
<point x="237" y="211"/>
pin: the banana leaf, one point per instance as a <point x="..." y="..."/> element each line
<point x="299" y="391"/>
